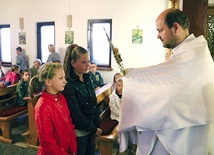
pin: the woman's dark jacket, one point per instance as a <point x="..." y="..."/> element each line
<point x="82" y="103"/>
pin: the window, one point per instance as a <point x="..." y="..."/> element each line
<point x="45" y="36"/>
<point x="98" y="45"/>
<point x="5" y="44"/>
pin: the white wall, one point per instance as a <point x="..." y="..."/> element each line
<point x="126" y="15"/>
<point x="211" y="1"/>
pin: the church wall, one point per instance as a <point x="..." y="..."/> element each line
<point x="125" y="15"/>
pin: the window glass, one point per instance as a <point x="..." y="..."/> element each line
<point x="98" y="45"/>
<point x="5" y="44"/>
<point x="45" y="36"/>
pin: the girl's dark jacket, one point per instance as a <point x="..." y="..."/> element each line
<point x="82" y="103"/>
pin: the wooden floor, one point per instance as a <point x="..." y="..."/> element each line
<point x="19" y="146"/>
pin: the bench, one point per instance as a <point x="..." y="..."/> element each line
<point x="9" y="110"/>
<point x="31" y="135"/>
<point x="108" y="126"/>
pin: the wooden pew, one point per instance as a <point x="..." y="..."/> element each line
<point x="105" y="142"/>
<point x="31" y="135"/>
<point x="9" y="110"/>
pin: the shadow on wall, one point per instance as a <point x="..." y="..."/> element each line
<point x="27" y="57"/>
<point x="61" y="52"/>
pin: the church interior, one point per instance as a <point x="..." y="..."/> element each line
<point x="23" y="17"/>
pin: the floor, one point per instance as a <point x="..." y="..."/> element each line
<point x="19" y="146"/>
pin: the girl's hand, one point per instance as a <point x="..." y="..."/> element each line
<point x="99" y="131"/>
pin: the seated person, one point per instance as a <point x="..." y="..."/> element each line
<point x="115" y="106"/>
<point x="96" y="78"/>
<point x="115" y="99"/>
<point x="12" y="76"/>
<point x="115" y="77"/>
<point x="22" y="87"/>
<point x="36" y="65"/>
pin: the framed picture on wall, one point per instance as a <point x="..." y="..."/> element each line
<point x="69" y="37"/>
<point x="137" y="36"/>
<point x="22" y="38"/>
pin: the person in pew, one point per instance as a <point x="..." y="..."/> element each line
<point x="95" y="76"/>
<point x="115" y="77"/>
<point x="173" y="111"/>
<point x="81" y="99"/>
<point x="115" y="99"/>
<point x="115" y="105"/>
<point x="52" y="116"/>
<point x="12" y="76"/>
<point x="35" y="68"/>
<point x="22" y="87"/>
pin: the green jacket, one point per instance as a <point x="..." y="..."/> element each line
<point x="21" y="91"/>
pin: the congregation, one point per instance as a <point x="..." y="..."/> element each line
<point x="30" y="82"/>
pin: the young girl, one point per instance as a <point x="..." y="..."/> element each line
<point x="12" y="76"/>
<point x="115" y="106"/>
<point x="115" y="77"/>
<point x="115" y="99"/>
<point x="54" y="125"/>
<point x="22" y="87"/>
<point x="81" y="99"/>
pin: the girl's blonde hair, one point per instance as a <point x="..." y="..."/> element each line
<point x="37" y="83"/>
<point x="116" y="74"/>
<point x="73" y="53"/>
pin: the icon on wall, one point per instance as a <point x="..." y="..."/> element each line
<point x="22" y="38"/>
<point x="69" y="37"/>
<point x="137" y="36"/>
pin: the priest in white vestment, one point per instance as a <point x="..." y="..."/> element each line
<point x="173" y="107"/>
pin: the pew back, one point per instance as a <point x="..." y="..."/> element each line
<point x="9" y="110"/>
<point x="7" y="97"/>
<point x="108" y="126"/>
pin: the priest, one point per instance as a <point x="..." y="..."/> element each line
<point x="173" y="107"/>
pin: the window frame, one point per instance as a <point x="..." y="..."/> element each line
<point x="5" y="64"/>
<point x="90" y="40"/>
<point x="39" y="46"/>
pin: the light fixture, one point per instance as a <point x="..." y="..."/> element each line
<point x="69" y="17"/>
<point x="21" y="23"/>
<point x="21" y="20"/>
<point x="69" y="21"/>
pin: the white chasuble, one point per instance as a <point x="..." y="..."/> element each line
<point x="172" y="104"/>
